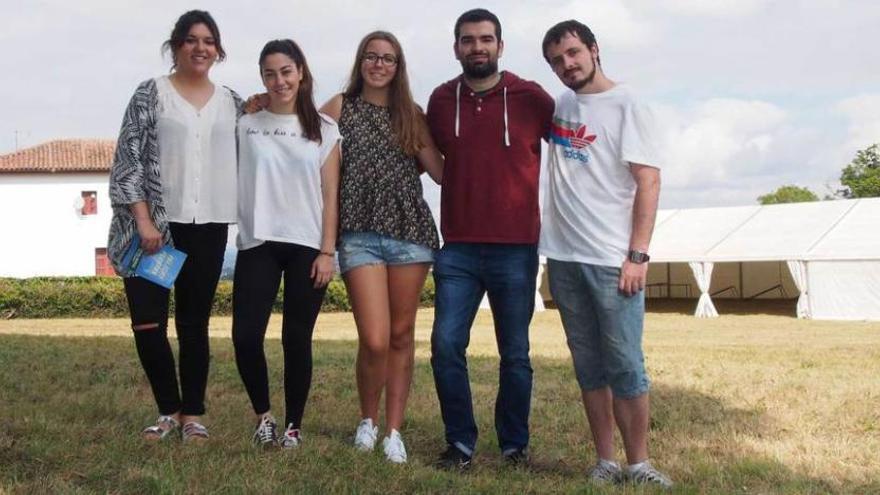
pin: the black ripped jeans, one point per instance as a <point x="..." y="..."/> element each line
<point x="194" y="291"/>
<point x="258" y="274"/>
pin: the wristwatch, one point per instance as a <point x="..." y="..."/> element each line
<point x="638" y="257"/>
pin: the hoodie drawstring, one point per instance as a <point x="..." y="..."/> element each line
<point x="506" y="134"/>
<point x="457" y="106"/>
<point x="458" y="113"/>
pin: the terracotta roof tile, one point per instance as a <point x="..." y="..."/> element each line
<point x="61" y="156"/>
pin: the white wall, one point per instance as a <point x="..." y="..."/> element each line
<point x="844" y="290"/>
<point x="42" y="234"/>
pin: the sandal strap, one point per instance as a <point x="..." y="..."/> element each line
<point x="194" y="429"/>
<point x="168" y="422"/>
<point x="163" y="419"/>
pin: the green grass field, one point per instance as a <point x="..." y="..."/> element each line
<point x="741" y="404"/>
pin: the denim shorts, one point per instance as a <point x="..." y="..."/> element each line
<point x="369" y="248"/>
<point x="603" y="327"/>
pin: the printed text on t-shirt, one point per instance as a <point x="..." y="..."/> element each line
<point x="575" y="137"/>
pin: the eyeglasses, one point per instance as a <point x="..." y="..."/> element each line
<point x="374" y="58"/>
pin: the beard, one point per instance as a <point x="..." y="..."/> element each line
<point x="578" y="84"/>
<point x="479" y="70"/>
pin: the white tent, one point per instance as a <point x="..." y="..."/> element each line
<point x="826" y="253"/>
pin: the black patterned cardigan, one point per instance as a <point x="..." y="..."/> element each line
<point x="134" y="175"/>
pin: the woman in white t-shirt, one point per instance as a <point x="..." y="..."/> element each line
<point x="173" y="181"/>
<point x="287" y="219"/>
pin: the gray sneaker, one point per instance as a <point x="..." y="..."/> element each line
<point x="646" y="474"/>
<point x="266" y="433"/>
<point x="605" y="473"/>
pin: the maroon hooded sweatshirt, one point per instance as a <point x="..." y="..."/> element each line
<point x="492" y="145"/>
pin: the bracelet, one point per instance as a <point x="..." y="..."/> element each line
<point x="327" y="253"/>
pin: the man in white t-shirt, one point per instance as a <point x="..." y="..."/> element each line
<point x="604" y="183"/>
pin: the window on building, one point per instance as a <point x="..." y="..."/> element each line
<point x="103" y="268"/>
<point x="90" y="203"/>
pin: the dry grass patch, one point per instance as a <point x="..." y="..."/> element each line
<point x="742" y="404"/>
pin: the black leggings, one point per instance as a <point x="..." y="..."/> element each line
<point x="257" y="277"/>
<point x="194" y="291"/>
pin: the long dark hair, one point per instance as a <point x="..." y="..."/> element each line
<point x="407" y="121"/>
<point x="181" y="31"/>
<point x="306" y="111"/>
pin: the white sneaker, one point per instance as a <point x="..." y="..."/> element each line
<point x="291" y="438"/>
<point x="644" y="473"/>
<point x="604" y="473"/>
<point x="394" y="450"/>
<point x="365" y="437"/>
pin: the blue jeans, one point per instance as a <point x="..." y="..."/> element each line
<point x="463" y="272"/>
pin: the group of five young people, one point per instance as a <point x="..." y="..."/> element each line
<point x="174" y="180"/>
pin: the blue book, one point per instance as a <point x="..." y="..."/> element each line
<point x="161" y="267"/>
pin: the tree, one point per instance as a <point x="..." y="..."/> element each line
<point x="788" y="194"/>
<point x="861" y="178"/>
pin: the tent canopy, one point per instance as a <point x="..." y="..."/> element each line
<point x="831" y="250"/>
<point x="822" y="230"/>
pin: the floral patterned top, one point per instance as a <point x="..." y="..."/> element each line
<point x="380" y="189"/>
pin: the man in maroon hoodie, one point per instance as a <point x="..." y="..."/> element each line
<point x="488" y="125"/>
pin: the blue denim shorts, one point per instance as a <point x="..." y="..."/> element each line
<point x="369" y="248"/>
<point x="603" y="327"/>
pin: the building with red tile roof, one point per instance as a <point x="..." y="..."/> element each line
<point x="61" y="156"/>
<point x="55" y="208"/>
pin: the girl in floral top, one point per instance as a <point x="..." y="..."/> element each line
<point x="387" y="233"/>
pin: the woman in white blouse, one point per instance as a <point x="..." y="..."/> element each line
<point x="173" y="181"/>
<point x="287" y="221"/>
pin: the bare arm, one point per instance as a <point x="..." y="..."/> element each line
<point x="322" y="268"/>
<point x="333" y="107"/>
<point x="634" y="275"/>
<point x="429" y="157"/>
<point x="645" y="205"/>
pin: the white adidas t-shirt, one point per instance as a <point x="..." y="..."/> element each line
<point x="589" y="203"/>
<point x="279" y="180"/>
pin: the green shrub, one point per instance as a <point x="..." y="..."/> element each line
<point x="104" y="297"/>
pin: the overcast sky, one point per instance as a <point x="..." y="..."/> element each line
<point x="751" y="94"/>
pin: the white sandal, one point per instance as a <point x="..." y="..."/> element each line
<point x="165" y="425"/>
<point x="194" y="431"/>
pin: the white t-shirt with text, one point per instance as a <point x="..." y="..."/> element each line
<point x="279" y="180"/>
<point x="588" y="210"/>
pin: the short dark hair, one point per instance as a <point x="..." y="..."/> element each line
<point x="181" y="30"/>
<point x="478" y="15"/>
<point x="573" y="27"/>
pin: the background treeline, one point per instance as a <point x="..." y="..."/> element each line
<point x="103" y="297"/>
